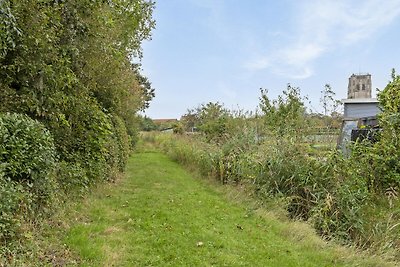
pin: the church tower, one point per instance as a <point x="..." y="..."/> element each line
<point x="360" y="86"/>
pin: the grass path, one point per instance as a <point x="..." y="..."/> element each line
<point x="159" y="215"/>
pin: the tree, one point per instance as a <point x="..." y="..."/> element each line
<point x="69" y="65"/>
<point x="285" y="115"/>
<point x="210" y="119"/>
<point x="147" y="124"/>
<point x="190" y="120"/>
<point x="329" y="104"/>
<point x="178" y="128"/>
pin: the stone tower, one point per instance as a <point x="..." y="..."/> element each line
<point x="359" y="86"/>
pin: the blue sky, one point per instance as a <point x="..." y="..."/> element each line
<point x="226" y="50"/>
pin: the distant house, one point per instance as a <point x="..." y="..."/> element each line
<point x="167" y="130"/>
<point x="165" y="124"/>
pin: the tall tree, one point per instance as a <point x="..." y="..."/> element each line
<point x="69" y="65"/>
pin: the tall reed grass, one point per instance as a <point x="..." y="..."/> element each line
<point x="328" y="191"/>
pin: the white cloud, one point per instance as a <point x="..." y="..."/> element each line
<point x="296" y="73"/>
<point x="302" y="52"/>
<point x="323" y="26"/>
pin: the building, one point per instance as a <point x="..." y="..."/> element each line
<point x="165" y="125"/>
<point x="360" y="110"/>
<point x="359" y="103"/>
<point x="165" y="121"/>
<point x="357" y="108"/>
<point x="360" y="86"/>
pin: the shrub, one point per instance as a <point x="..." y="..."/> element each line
<point x="10" y="196"/>
<point x="121" y="143"/>
<point x="28" y="154"/>
<point x="82" y="138"/>
<point x="27" y="157"/>
<point x="72" y="178"/>
<point x="340" y="210"/>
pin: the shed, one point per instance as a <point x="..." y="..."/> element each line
<point x="360" y="107"/>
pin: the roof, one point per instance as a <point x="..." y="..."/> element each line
<point x="360" y="101"/>
<point x="360" y="74"/>
<point x="160" y="121"/>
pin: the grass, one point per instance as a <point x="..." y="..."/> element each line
<point x="160" y="215"/>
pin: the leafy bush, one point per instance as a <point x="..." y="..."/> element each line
<point x="210" y="119"/>
<point x="72" y="178"/>
<point x="10" y="197"/>
<point x="386" y="152"/>
<point x="27" y="156"/>
<point x="120" y="147"/>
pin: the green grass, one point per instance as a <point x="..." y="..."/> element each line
<point x="160" y="215"/>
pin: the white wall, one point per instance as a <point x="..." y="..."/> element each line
<point x="359" y="110"/>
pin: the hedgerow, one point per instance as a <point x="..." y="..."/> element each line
<point x="28" y="158"/>
<point x="68" y="66"/>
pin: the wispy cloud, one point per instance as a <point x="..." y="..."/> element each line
<point x="323" y="26"/>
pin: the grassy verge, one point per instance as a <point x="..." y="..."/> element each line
<point x="159" y="215"/>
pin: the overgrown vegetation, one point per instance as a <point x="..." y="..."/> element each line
<point x="351" y="198"/>
<point x="70" y="95"/>
<point x="67" y="67"/>
<point x="159" y="215"/>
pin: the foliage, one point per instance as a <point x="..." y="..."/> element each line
<point x="66" y="56"/>
<point x="147" y="124"/>
<point x="386" y="152"/>
<point x="68" y="65"/>
<point x="331" y="117"/>
<point x="10" y="197"/>
<point x="122" y="142"/>
<point x="190" y="120"/>
<point x="210" y="119"/>
<point x="285" y="115"/>
<point x="27" y="157"/>
<point x="328" y="101"/>
<point x="342" y="196"/>
<point x="70" y="68"/>
<point x="216" y="225"/>
<point x="178" y="128"/>
<point x="27" y="153"/>
<point x="146" y="88"/>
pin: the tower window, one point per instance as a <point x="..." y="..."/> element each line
<point x="357" y="88"/>
<point x="363" y="87"/>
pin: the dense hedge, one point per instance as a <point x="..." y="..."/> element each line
<point x="27" y="182"/>
<point x="68" y="66"/>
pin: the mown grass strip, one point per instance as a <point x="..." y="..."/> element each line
<point x="159" y="215"/>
